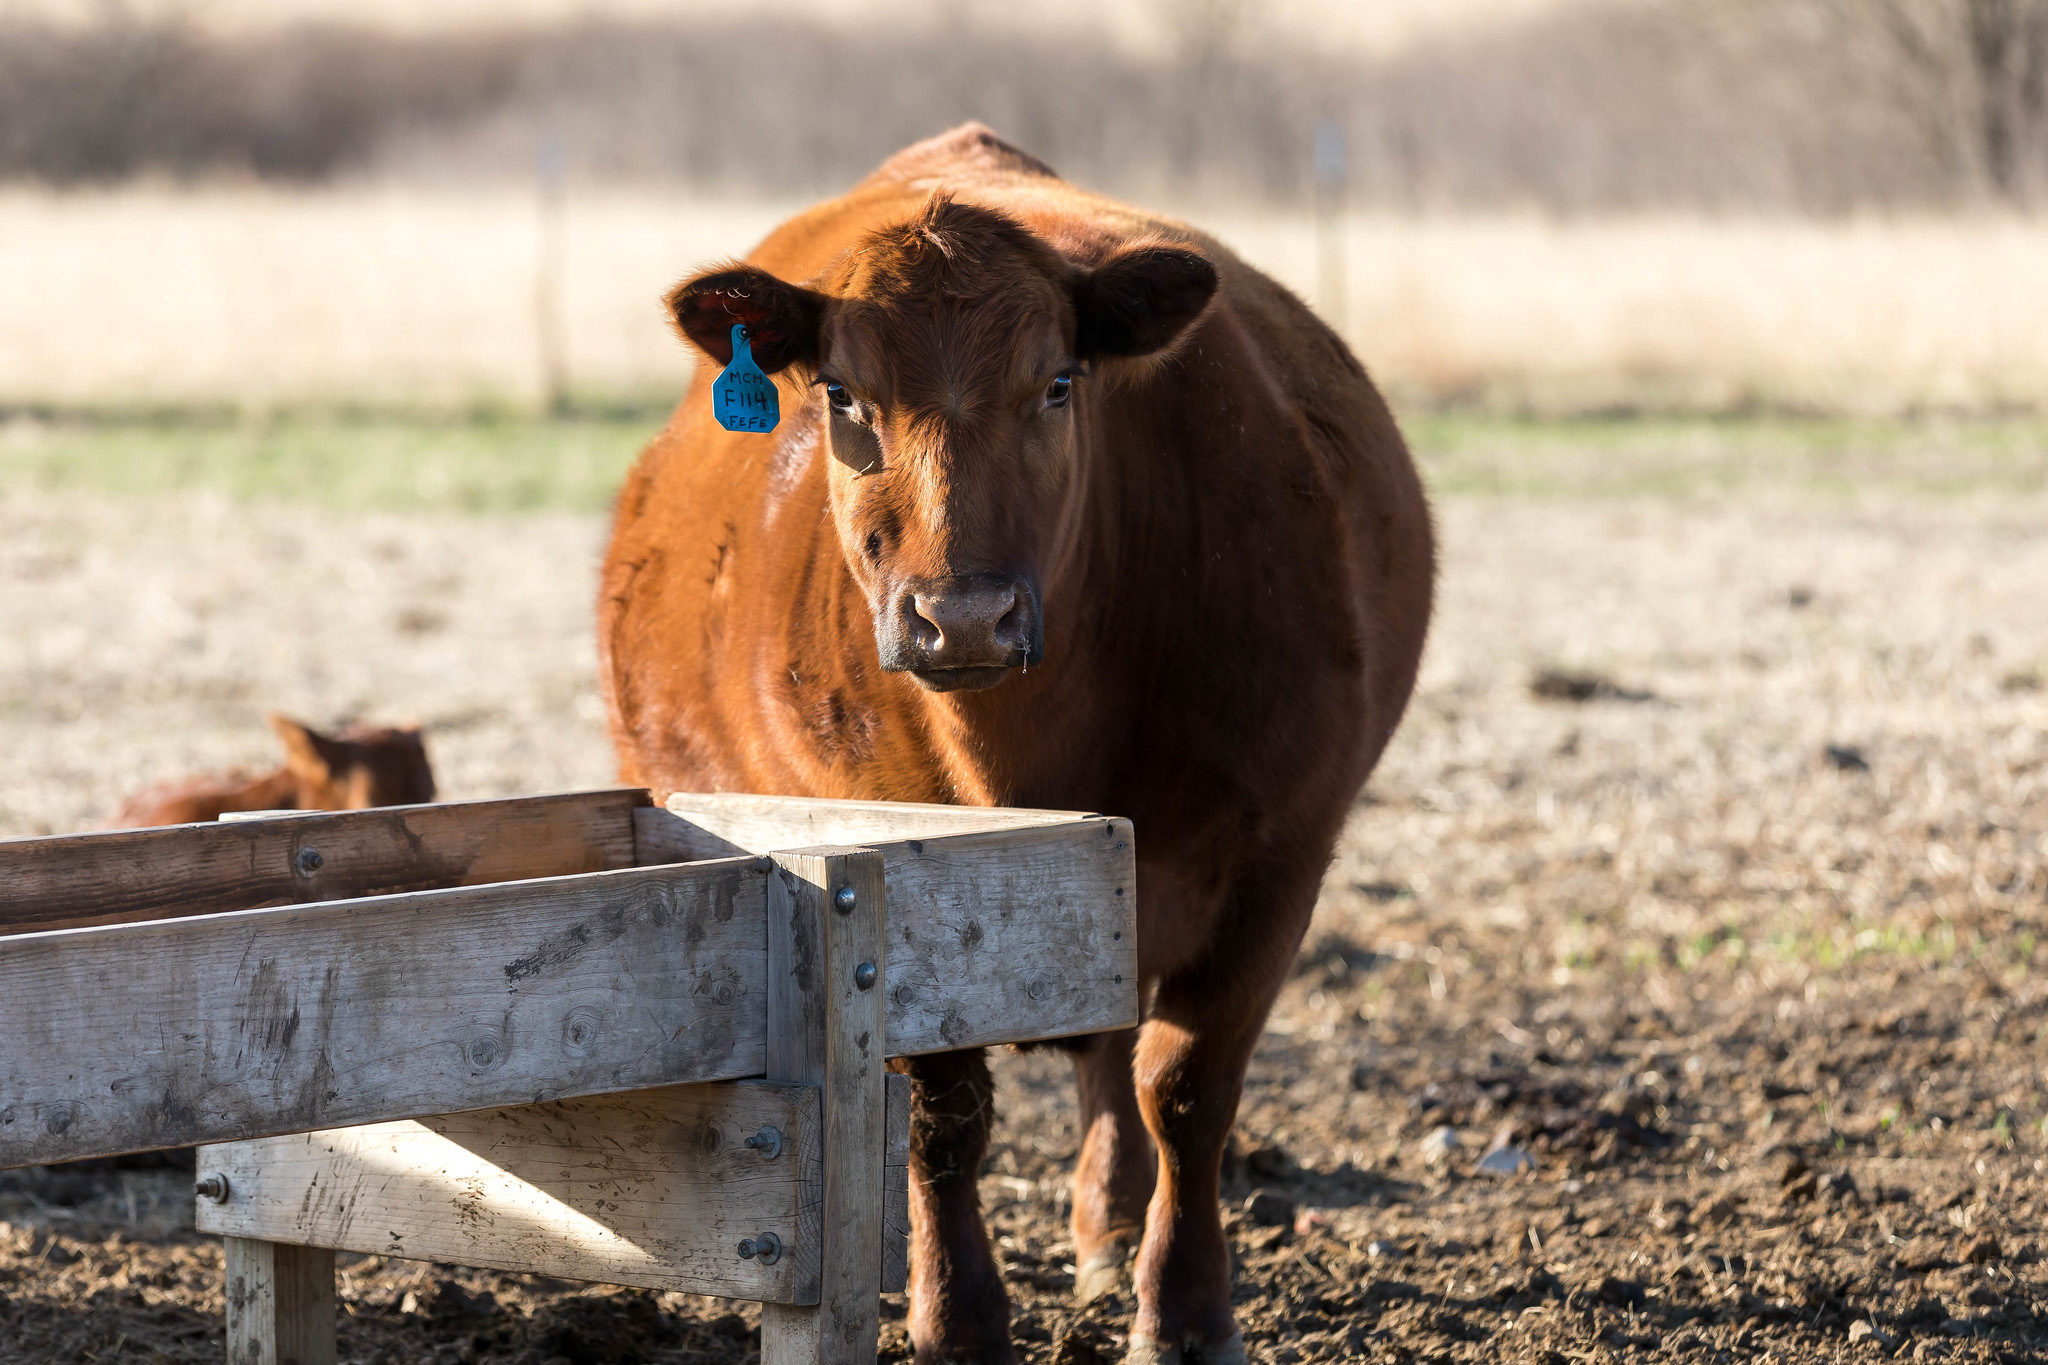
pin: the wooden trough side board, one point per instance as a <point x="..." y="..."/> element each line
<point x="697" y="825"/>
<point x="232" y="1026"/>
<point x="122" y="876"/>
<point x="1004" y="926"/>
<point x="1009" y="936"/>
<point x="655" y="1188"/>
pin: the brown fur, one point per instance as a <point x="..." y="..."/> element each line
<point x="1221" y="537"/>
<point x="352" y="770"/>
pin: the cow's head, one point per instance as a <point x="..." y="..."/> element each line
<point x="357" y="768"/>
<point x="953" y="357"/>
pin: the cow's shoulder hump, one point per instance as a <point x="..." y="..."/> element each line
<point x="965" y="151"/>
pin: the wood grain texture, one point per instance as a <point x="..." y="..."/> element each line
<point x="1005" y="936"/>
<point x="125" y="876"/>
<point x="655" y="1189"/>
<point x="826" y="1028"/>
<point x="280" y="1303"/>
<point x="233" y="1026"/>
<point x="1004" y="925"/>
<point x="724" y="824"/>
<point x="659" y="838"/>
<point x="896" y="1187"/>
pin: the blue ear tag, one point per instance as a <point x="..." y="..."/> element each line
<point x="744" y="399"/>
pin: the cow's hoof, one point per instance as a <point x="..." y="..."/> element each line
<point x="1146" y="1352"/>
<point x="1102" y="1274"/>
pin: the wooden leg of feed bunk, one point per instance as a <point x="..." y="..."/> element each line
<point x="280" y="1303"/>
<point x="826" y="1026"/>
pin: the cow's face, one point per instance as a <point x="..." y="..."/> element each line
<point x="951" y="358"/>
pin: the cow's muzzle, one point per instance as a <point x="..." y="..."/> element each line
<point x="962" y="632"/>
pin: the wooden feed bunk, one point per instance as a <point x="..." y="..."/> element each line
<point x="576" y="1035"/>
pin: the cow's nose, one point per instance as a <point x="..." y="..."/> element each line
<point x="969" y="625"/>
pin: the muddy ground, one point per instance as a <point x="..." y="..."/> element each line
<point x="1706" y="874"/>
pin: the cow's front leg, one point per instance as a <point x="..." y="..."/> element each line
<point x="1114" y="1172"/>
<point x="958" y="1308"/>
<point x="1190" y="1065"/>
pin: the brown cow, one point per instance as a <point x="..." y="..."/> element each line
<point x="1069" y="508"/>
<point x="352" y="770"/>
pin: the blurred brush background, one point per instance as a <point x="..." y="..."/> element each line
<point x="1507" y="205"/>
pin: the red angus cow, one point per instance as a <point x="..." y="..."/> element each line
<point x="1069" y="508"/>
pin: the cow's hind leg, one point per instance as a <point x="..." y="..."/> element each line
<point x="958" y="1308"/>
<point x="1190" y="1064"/>
<point x="1114" y="1173"/>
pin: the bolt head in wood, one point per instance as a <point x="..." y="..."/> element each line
<point x="864" y="976"/>
<point x="768" y="1142"/>
<point x="844" y="899"/>
<point x="213" y="1185"/>
<point x="767" y="1249"/>
<point x="308" y="862"/>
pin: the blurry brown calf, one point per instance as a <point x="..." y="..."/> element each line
<point x="354" y="769"/>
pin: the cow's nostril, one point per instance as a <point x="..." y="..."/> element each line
<point x="924" y="625"/>
<point x="1010" y="627"/>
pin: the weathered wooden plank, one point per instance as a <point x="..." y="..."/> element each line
<point x="659" y="838"/>
<point x="280" y="1304"/>
<point x="124" y="876"/>
<point x="825" y="985"/>
<point x="232" y="1026"/>
<point x="1004" y="925"/>
<point x="656" y="1188"/>
<point x="725" y="824"/>
<point x="1005" y="936"/>
<point x="896" y="1188"/>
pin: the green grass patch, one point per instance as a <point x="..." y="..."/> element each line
<point x="1692" y="456"/>
<point x="484" y="462"/>
<point x="499" y="460"/>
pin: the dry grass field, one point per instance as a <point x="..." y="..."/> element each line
<point x="1380" y="26"/>
<point x="261" y="298"/>
<point x="1709" y="867"/>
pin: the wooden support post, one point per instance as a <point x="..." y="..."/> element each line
<point x="896" y="1189"/>
<point x="826" y="1027"/>
<point x="280" y="1303"/>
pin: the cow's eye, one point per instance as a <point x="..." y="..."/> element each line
<point x="840" y="400"/>
<point x="1057" y="392"/>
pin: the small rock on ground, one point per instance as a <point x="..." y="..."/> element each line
<point x="1438" y="1146"/>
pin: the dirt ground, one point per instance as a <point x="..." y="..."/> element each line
<point x="1706" y="875"/>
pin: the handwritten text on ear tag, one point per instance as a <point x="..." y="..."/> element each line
<point x="744" y="399"/>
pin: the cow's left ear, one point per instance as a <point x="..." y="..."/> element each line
<point x="310" y="756"/>
<point x="1140" y="299"/>
<point x="783" y="320"/>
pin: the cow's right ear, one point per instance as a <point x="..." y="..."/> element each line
<point x="784" y="321"/>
